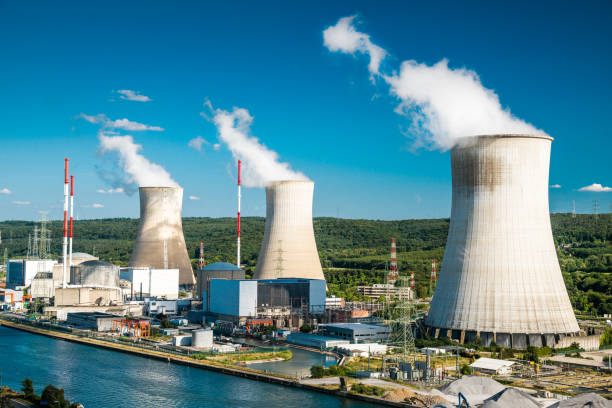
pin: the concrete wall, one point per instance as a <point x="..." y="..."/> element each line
<point x="500" y="272"/>
<point x="86" y="296"/>
<point x="289" y="249"/>
<point x="588" y="343"/>
<point x="160" y="222"/>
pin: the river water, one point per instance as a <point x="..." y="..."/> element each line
<point x="102" y="378"/>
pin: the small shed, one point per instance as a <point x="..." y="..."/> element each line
<point x="492" y="366"/>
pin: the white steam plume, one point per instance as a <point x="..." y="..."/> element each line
<point x="260" y="164"/>
<point x="137" y="169"/>
<point x="444" y="104"/>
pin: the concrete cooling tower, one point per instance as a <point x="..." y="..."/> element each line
<point x="500" y="277"/>
<point x="289" y="249"/>
<point x="160" y="242"/>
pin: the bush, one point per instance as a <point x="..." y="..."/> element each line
<point x="360" y="388"/>
<point x="317" y="371"/>
<point x="305" y="328"/>
<point x="466" y="370"/>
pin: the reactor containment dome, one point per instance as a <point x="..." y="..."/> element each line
<point x="289" y="249"/>
<point x="160" y="243"/>
<point x="500" y="278"/>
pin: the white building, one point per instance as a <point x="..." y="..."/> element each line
<point x="159" y="283"/>
<point x="363" y="349"/>
<point x="334" y="302"/>
<point x="492" y="366"/>
<point x="20" y="272"/>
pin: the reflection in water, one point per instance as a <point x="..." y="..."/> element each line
<point x="101" y="378"/>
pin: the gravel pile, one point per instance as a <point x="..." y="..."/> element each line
<point x="473" y="385"/>
<point x="589" y="400"/>
<point x="511" y="398"/>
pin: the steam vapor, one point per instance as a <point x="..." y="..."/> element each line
<point x="137" y="169"/>
<point x="444" y="104"/>
<point x="260" y="164"/>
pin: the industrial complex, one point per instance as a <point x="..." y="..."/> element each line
<point x="500" y="285"/>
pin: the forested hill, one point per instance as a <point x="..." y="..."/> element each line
<point x="352" y="251"/>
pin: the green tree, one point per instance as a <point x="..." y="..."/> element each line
<point x="306" y="328"/>
<point x="466" y="370"/>
<point x="27" y="387"/>
<point x="317" y="371"/>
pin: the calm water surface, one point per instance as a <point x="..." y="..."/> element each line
<point x="102" y="378"/>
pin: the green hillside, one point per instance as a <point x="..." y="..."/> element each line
<point x="353" y="252"/>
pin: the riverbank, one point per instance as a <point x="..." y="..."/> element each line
<point x="243" y="372"/>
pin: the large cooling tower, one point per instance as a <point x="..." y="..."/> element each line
<point x="160" y="242"/>
<point x="289" y="249"/>
<point x="500" y="276"/>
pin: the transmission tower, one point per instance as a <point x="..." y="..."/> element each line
<point x="279" y="260"/>
<point x="432" y="277"/>
<point x="596" y="208"/>
<point x="45" y="240"/>
<point x="401" y="319"/>
<point x="573" y="208"/>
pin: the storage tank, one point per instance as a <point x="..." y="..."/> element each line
<point x="202" y="338"/>
<point x="500" y="277"/>
<point x="289" y="249"/>
<point x="95" y="274"/>
<point x="160" y="242"/>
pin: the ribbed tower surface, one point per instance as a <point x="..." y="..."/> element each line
<point x="500" y="277"/>
<point x="160" y="242"/>
<point x="289" y="249"/>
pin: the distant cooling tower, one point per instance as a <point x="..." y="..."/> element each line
<point x="289" y="249"/>
<point x="160" y="242"/>
<point x="500" y="277"/>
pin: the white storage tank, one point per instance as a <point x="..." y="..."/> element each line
<point x="202" y="338"/>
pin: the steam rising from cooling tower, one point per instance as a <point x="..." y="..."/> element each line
<point x="289" y="249"/>
<point x="160" y="242"/>
<point x="137" y="169"/>
<point x="260" y="164"/>
<point x="443" y="104"/>
<point x="500" y="277"/>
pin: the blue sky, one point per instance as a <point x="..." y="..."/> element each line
<point x="549" y="62"/>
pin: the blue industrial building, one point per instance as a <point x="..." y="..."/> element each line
<point x="235" y="298"/>
<point x="358" y="332"/>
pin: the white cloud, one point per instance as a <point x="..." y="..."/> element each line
<point x="556" y="186"/>
<point x="260" y="164"/>
<point x="130" y="95"/>
<point x="194" y="198"/>
<point x="123" y="124"/>
<point x="596" y="188"/>
<point x="111" y="191"/>
<point x="197" y="142"/>
<point x="97" y="205"/>
<point x="6" y="191"/>
<point x="217" y="146"/>
<point x="443" y="104"/>
<point x="22" y="202"/>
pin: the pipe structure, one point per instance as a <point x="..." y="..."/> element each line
<point x="289" y="249"/>
<point x="500" y="278"/>
<point x="71" y="213"/>
<point x="238" y="226"/>
<point x="65" y="240"/>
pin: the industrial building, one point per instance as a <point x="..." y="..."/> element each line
<point x="151" y="282"/>
<point x="97" y="321"/>
<point x="98" y="274"/>
<point x="287" y="302"/>
<point x="20" y="272"/>
<point x="500" y="278"/>
<point x="233" y="298"/>
<point x="387" y="290"/>
<point x="315" y="340"/>
<point x="289" y="249"/>
<point x="160" y="243"/>
<point x="492" y="366"/>
<point x="358" y="332"/>
<point x="217" y="270"/>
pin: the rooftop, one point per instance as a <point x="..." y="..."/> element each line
<point x="491" y="363"/>
<point x="220" y="266"/>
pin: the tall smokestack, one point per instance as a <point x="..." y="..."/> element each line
<point x="160" y="242"/>
<point x="500" y="277"/>
<point x="71" y="213"/>
<point x="289" y="249"/>
<point x="65" y="240"/>
<point x="201" y="262"/>
<point x="238" y="226"/>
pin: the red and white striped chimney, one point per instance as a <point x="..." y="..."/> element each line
<point x="238" y="226"/>
<point x="65" y="241"/>
<point x="392" y="276"/>
<point x="71" y="214"/>
<point x="201" y="263"/>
